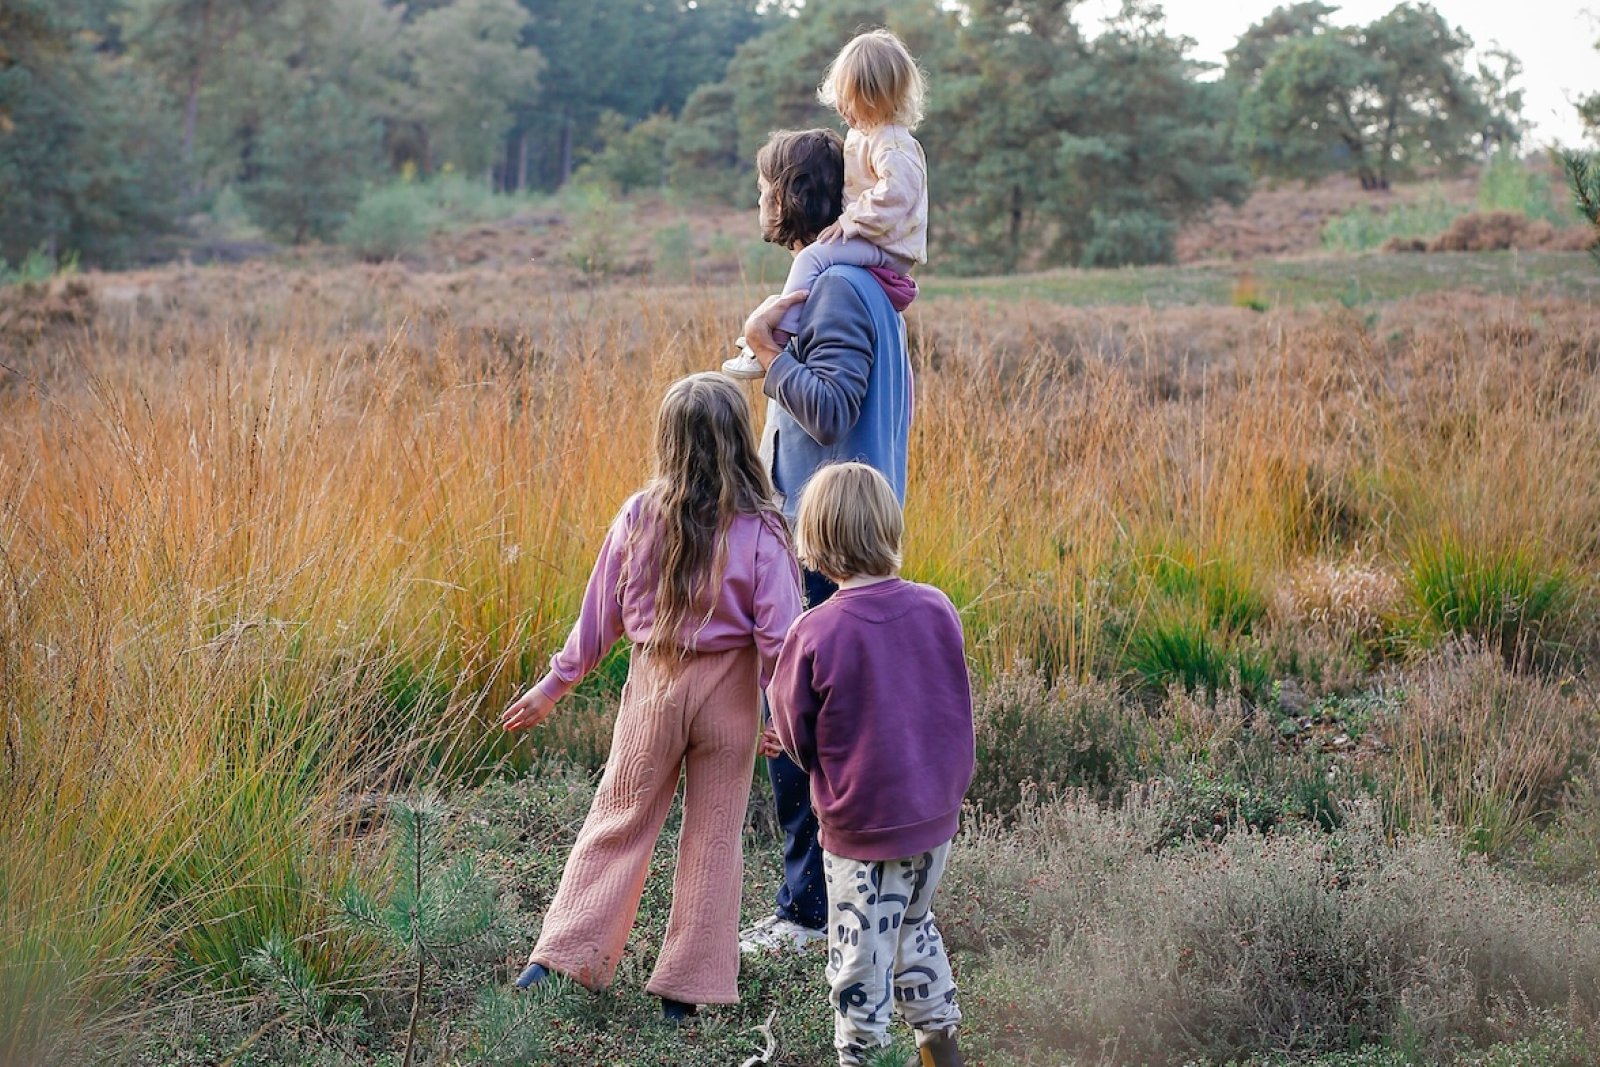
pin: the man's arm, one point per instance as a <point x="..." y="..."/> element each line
<point x="824" y="391"/>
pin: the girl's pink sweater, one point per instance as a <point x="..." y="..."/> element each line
<point x="758" y="598"/>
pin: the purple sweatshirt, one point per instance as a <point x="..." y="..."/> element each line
<point x="758" y="598"/>
<point x="871" y="697"/>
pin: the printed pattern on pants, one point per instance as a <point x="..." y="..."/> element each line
<point x="885" y="955"/>
<point x="699" y="720"/>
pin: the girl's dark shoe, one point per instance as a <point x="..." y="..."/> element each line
<point x="532" y="975"/>
<point x="676" y="1011"/>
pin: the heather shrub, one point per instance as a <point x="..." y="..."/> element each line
<point x="1290" y="945"/>
<point x="1481" y="751"/>
<point x="1032" y="734"/>
<point x="1219" y="770"/>
<point x="1568" y="849"/>
<point x="1497" y="231"/>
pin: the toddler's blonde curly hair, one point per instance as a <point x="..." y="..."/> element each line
<point x="873" y="81"/>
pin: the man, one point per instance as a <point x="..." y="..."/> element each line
<point x="839" y="389"/>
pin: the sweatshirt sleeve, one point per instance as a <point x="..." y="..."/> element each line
<point x="777" y="598"/>
<point x="884" y="210"/>
<point x="600" y="619"/>
<point x="824" y="392"/>
<point x="794" y="703"/>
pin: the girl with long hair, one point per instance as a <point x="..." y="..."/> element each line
<point x="698" y="573"/>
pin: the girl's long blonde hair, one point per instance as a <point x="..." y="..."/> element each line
<point x="706" y="472"/>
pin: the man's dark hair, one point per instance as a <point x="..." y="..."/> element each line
<point x="805" y="169"/>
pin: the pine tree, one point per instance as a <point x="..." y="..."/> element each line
<point x="1583" y="175"/>
<point x="312" y="162"/>
<point x="431" y="909"/>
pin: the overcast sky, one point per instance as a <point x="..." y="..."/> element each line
<point x="1553" y="38"/>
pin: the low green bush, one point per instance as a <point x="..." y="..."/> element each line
<point x="1365" y="228"/>
<point x="389" y="222"/>
<point x="1511" y="184"/>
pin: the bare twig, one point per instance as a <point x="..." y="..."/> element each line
<point x="765" y="1029"/>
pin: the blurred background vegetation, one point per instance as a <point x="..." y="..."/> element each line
<point x="133" y="131"/>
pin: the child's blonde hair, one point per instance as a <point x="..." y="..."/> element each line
<point x="873" y="81"/>
<point x="849" y="523"/>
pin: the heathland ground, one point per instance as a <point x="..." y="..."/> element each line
<point x="1278" y="576"/>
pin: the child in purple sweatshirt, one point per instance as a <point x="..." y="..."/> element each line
<point x="871" y="697"/>
<point x="697" y="572"/>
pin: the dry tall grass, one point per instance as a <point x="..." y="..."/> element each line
<point x="269" y="541"/>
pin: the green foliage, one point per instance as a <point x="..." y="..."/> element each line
<point x="312" y="164"/>
<point x="674" y="253"/>
<point x="1175" y="647"/>
<point x="1364" y="99"/>
<point x="36" y="267"/>
<point x="507" y="1029"/>
<point x="1589" y="108"/>
<point x="1507" y="183"/>
<point x="431" y="910"/>
<point x="624" y="57"/>
<point x="703" y="154"/>
<point x="86" y="165"/>
<point x="1259" y="792"/>
<point x="470" y="76"/>
<point x="1191" y="617"/>
<point x="630" y="158"/>
<point x="1059" y="149"/>
<point x="1583" y="175"/>
<point x="388" y="222"/>
<point x="1506" y="597"/>
<point x="1362" y="229"/>
<point x="392" y="220"/>
<point x="598" y="229"/>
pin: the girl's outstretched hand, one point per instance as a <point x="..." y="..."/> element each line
<point x="768" y="744"/>
<point x="832" y="232"/>
<point x="529" y="709"/>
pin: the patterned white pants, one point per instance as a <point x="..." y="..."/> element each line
<point x="884" y="951"/>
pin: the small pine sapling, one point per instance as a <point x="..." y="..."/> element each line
<point x="278" y="965"/>
<point x="432" y="908"/>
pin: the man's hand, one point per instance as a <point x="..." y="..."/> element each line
<point x="768" y="744"/>
<point x="529" y="709"/>
<point x="763" y="320"/>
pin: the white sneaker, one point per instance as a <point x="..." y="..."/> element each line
<point x="775" y="934"/>
<point x="744" y="366"/>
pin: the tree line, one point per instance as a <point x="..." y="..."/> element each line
<point x="1047" y="144"/>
